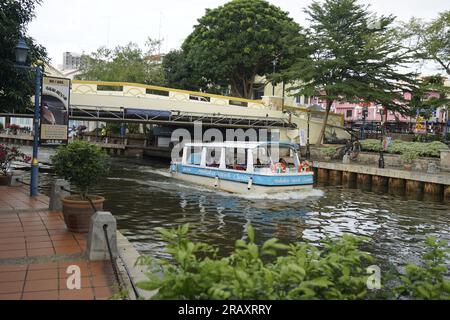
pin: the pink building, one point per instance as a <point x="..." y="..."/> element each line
<point x="353" y="114"/>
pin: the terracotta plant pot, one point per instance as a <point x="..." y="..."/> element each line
<point x="77" y="213"/>
<point x="5" y="180"/>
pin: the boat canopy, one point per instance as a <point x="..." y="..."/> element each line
<point x="243" y="145"/>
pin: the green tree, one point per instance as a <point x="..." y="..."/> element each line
<point x="124" y="63"/>
<point x="431" y="40"/>
<point x="179" y="73"/>
<point x="355" y="57"/>
<point x="430" y="95"/>
<point x="234" y="43"/>
<point x="17" y="85"/>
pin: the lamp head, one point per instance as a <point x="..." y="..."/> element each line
<point x="21" y="52"/>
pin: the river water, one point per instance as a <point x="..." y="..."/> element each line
<point x="142" y="197"/>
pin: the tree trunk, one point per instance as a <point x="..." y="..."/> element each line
<point x="242" y="88"/>
<point x="325" y="122"/>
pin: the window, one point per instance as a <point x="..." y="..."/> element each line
<point x="258" y="94"/>
<point x="238" y="103"/>
<point x="349" y="114"/>
<point x="306" y="100"/>
<point x="157" y="92"/>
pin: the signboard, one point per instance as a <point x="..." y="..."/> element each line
<point x="386" y="143"/>
<point x="420" y="126"/>
<point x="55" y="100"/>
<point x="303" y="141"/>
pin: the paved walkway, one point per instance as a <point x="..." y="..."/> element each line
<point x="36" y="249"/>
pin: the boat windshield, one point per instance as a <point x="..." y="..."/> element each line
<point x="264" y="159"/>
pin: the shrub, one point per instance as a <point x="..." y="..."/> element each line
<point x="428" y="282"/>
<point x="337" y="271"/>
<point x="329" y="151"/>
<point x="424" y="149"/>
<point x="82" y="164"/>
<point x="371" y="145"/>
<point x="409" y="156"/>
<point x="8" y="155"/>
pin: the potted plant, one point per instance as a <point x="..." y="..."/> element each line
<point x="83" y="165"/>
<point x="7" y="156"/>
<point x="408" y="157"/>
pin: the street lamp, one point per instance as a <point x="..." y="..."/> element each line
<point x="381" y="163"/>
<point x="308" y="149"/>
<point x="274" y="62"/>
<point x="365" y="113"/>
<point x="21" y="51"/>
<point x="308" y="145"/>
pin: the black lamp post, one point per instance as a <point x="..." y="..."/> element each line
<point x="21" y="51"/>
<point x="274" y="62"/>
<point x="308" y="149"/>
<point x="308" y="145"/>
<point x="381" y="163"/>
<point x="365" y="113"/>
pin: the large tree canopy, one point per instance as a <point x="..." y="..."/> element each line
<point x="355" y="57"/>
<point x="179" y="73"/>
<point x="124" y="63"/>
<point x="431" y="40"/>
<point x="16" y="85"/>
<point x="234" y="43"/>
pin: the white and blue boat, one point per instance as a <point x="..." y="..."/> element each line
<point x="244" y="167"/>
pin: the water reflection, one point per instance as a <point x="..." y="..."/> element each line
<point x="142" y="197"/>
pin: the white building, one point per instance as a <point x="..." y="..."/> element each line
<point x="71" y="61"/>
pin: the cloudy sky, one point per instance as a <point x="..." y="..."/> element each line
<point x="85" y="25"/>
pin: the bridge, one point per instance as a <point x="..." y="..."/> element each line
<point x="147" y="104"/>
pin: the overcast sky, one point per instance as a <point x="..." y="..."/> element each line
<point x="85" y="25"/>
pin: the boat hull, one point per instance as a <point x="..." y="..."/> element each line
<point x="242" y="182"/>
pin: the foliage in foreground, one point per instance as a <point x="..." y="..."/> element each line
<point x="305" y="272"/>
<point x="424" y="149"/>
<point x="337" y="270"/>
<point x="430" y="281"/>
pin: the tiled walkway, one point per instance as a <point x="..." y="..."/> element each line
<point x="36" y="249"/>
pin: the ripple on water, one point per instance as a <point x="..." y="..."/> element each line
<point x="143" y="197"/>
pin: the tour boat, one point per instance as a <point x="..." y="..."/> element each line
<point x="244" y="167"/>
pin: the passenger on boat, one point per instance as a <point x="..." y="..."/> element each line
<point x="212" y="162"/>
<point x="280" y="166"/>
<point x="283" y="164"/>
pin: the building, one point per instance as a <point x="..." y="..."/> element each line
<point x="72" y="61"/>
<point x="353" y="113"/>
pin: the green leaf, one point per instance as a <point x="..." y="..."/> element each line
<point x="251" y="233"/>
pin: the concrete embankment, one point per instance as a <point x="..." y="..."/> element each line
<point x="412" y="184"/>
